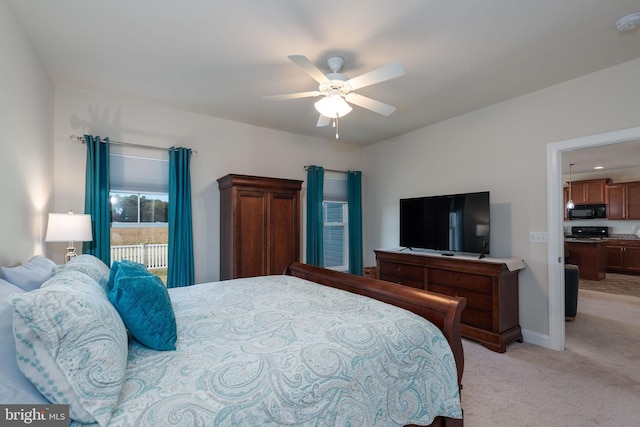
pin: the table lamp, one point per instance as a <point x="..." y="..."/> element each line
<point x="70" y="228"/>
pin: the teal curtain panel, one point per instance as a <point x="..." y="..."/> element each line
<point x="354" y="199"/>
<point x="315" y="183"/>
<point x="180" y="271"/>
<point x="96" y="198"/>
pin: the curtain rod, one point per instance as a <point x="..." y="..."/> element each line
<point x="306" y="167"/>
<point x="75" y="138"/>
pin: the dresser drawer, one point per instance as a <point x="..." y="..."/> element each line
<point x="477" y="318"/>
<point x="477" y="300"/>
<point x="471" y="282"/>
<point x="404" y="274"/>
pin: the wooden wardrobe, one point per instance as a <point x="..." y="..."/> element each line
<point x="259" y="225"/>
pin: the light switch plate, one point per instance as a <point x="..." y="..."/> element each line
<point x="538" y="236"/>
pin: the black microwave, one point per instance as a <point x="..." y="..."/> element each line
<point x="588" y="212"/>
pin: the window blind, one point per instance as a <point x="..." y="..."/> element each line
<point x="335" y="189"/>
<point x="138" y="174"/>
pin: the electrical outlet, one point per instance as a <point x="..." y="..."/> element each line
<point x="538" y="236"/>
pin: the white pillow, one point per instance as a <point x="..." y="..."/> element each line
<point x="15" y="388"/>
<point x="31" y="275"/>
<point x="90" y="265"/>
<point x="72" y="344"/>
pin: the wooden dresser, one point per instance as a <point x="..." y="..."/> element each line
<point x="259" y="225"/>
<point x="491" y="316"/>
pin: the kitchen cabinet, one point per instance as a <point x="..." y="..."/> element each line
<point x="633" y="200"/>
<point x="623" y="200"/>
<point x="616" y="201"/>
<point x="588" y="192"/>
<point x="623" y="256"/>
<point x="491" y="316"/>
<point x="259" y="225"/>
<point x="590" y="256"/>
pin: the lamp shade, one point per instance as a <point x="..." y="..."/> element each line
<point x="332" y="106"/>
<point x="69" y="227"/>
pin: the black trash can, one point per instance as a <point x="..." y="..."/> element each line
<point x="571" y="282"/>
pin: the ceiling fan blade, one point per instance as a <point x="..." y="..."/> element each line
<point x="309" y="68"/>
<point x="293" y="95"/>
<point x="323" y="121"/>
<point x="370" y="104"/>
<point x="378" y="75"/>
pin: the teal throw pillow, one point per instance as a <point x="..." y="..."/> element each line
<point x="144" y="305"/>
<point x="129" y="267"/>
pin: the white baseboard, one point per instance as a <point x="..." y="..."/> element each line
<point x="536" y="338"/>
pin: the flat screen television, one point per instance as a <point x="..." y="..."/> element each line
<point x="449" y="223"/>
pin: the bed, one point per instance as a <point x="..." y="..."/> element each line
<point x="292" y="349"/>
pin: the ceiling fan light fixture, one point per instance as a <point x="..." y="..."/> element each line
<point x="333" y="106"/>
<point x="337" y="89"/>
<point x="628" y="22"/>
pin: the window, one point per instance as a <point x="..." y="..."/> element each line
<point x="139" y="202"/>
<point x="138" y="209"/>
<point x="335" y="236"/>
<point x="335" y="222"/>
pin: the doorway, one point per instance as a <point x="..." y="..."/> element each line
<point x="555" y="201"/>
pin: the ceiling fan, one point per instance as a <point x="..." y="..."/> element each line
<point x="336" y="89"/>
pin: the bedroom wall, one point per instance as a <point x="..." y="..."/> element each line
<point x="223" y="147"/>
<point x="501" y="148"/>
<point x="26" y="166"/>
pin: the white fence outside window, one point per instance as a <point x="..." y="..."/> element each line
<point x="152" y="256"/>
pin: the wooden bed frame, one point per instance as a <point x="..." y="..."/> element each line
<point x="441" y="310"/>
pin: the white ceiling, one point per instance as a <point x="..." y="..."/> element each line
<point x="221" y="57"/>
<point x="611" y="157"/>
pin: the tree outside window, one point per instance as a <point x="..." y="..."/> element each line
<point x="139" y="208"/>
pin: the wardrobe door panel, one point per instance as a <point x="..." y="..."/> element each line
<point x="251" y="234"/>
<point x="284" y="245"/>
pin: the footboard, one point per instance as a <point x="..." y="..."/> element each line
<point x="441" y="310"/>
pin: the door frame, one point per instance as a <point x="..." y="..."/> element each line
<point x="555" y="218"/>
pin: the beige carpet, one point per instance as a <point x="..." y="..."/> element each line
<point x="595" y="382"/>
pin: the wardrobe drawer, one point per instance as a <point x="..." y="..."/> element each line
<point x="472" y="282"/>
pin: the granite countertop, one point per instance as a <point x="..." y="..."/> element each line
<point x="592" y="240"/>
<point x="602" y="239"/>
<point x="623" y="237"/>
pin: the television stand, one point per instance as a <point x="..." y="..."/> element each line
<point x="490" y="286"/>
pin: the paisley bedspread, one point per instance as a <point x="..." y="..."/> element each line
<point x="279" y="350"/>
